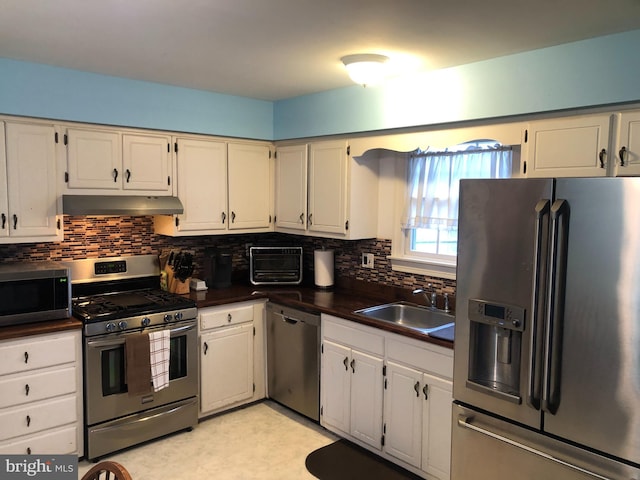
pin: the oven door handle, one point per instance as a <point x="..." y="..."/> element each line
<point x="120" y="339"/>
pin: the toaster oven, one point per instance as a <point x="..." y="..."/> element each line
<point x="275" y="265"/>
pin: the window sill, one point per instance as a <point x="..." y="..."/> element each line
<point x="423" y="267"/>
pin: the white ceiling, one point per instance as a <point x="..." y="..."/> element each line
<point x="276" y="49"/>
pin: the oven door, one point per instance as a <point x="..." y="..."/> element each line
<point x="105" y="386"/>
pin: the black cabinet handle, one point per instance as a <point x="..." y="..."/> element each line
<point x="26" y="389"/>
<point x="224" y="217"/>
<point x="622" y="153"/>
<point x="15" y="221"/>
<point x="28" y="450"/>
<point x="416" y="387"/>
<point x="233" y="217"/>
<point x="310" y="217"/>
<point x="302" y="218"/>
<point x="206" y="347"/>
<point x="425" y="390"/>
<point x="601" y="156"/>
<point x="115" y="174"/>
<point x="353" y="365"/>
<point x="28" y="421"/>
<point x="128" y="173"/>
<point x="346" y="363"/>
<point x="26" y="357"/>
<point x="4" y="221"/>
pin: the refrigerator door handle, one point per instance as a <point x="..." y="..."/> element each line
<point x="555" y="306"/>
<point x="465" y="422"/>
<point x="535" y="358"/>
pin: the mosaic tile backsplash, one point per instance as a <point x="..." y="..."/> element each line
<point x="119" y="236"/>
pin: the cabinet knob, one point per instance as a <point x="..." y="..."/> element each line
<point x="229" y="317"/>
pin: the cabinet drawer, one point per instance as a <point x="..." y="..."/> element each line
<point x="37" y="386"/>
<point x="61" y="441"/>
<point x="37" y="417"/>
<point x="227" y="316"/>
<point x="362" y="337"/>
<point x="37" y="352"/>
<point x="423" y="356"/>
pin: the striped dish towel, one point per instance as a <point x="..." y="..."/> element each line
<point x="159" y="349"/>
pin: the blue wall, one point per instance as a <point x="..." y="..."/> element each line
<point x="37" y="90"/>
<point x="593" y="72"/>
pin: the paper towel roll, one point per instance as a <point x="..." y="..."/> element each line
<point x="323" y="268"/>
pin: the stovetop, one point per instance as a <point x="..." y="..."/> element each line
<point x="119" y="305"/>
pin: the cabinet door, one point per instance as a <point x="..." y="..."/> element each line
<point x="569" y="147"/>
<point x="335" y="386"/>
<point x="327" y="187"/>
<point x="4" y="199"/>
<point x="202" y="184"/>
<point x="366" y="398"/>
<point x="227" y="366"/>
<point x="291" y="187"/>
<point x="627" y="149"/>
<point x="249" y="186"/>
<point x="146" y="161"/>
<point x="403" y="406"/>
<point x="436" y="436"/>
<point x="94" y="159"/>
<point x="31" y="173"/>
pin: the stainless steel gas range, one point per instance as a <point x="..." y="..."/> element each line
<point x="119" y="300"/>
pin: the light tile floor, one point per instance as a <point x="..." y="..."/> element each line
<point x="261" y="442"/>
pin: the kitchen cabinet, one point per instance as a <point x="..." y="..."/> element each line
<point x="342" y="192"/>
<point x="232" y="366"/>
<point x="224" y="188"/>
<point x="101" y="160"/>
<point x="418" y="401"/>
<point x="351" y="381"/>
<point x="395" y="399"/>
<point x="569" y="147"/>
<point x="250" y="186"/>
<point x="28" y="199"/>
<point x="291" y="187"/>
<point x="41" y="404"/>
<point x="627" y="145"/>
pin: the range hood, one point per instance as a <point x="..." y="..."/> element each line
<point x="120" y="205"/>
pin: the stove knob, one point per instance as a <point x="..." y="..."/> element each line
<point x="168" y="317"/>
<point x="146" y="321"/>
<point x="122" y="325"/>
<point x="178" y="315"/>
<point x="110" y="327"/>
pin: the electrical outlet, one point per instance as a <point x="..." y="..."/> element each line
<point x="367" y="260"/>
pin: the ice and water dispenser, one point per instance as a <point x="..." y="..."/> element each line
<point x="495" y="346"/>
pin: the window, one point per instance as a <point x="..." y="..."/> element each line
<point x="430" y="219"/>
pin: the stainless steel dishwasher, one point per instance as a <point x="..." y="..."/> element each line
<point x="293" y="359"/>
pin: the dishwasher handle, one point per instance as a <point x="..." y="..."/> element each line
<point x="287" y="319"/>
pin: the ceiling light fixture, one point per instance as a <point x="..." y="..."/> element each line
<point x="365" y="68"/>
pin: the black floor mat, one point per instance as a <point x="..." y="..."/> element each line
<point x="343" y="460"/>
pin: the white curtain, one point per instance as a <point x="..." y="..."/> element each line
<point x="433" y="182"/>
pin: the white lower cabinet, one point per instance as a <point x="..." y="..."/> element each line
<point x="232" y="367"/>
<point x="41" y="401"/>
<point x="388" y="393"/>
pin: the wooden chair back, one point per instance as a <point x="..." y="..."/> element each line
<point x="107" y="470"/>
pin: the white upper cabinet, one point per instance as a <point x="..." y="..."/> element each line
<point x="28" y="197"/>
<point x="146" y="162"/>
<point x="202" y="189"/>
<point x="250" y="186"/>
<point x="291" y="187"/>
<point x="627" y="145"/>
<point x="569" y="147"/>
<point x="342" y="195"/>
<point x="224" y="188"/>
<point x="99" y="160"/>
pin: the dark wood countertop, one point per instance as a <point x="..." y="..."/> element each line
<point x="340" y="301"/>
<point x="38" y="328"/>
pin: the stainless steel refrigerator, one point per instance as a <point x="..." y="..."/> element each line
<point x="547" y="339"/>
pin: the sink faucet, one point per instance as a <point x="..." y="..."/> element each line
<point x="431" y="298"/>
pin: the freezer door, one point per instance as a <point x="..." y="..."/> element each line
<point x="592" y="382"/>
<point x="486" y="448"/>
<point x="501" y="238"/>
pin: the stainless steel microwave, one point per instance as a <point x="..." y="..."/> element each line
<point x="275" y="265"/>
<point x="34" y="292"/>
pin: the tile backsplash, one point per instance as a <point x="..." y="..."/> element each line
<point x="120" y="236"/>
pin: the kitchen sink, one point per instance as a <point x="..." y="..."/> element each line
<point x="416" y="317"/>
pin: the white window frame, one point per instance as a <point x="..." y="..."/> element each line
<point x="401" y="258"/>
